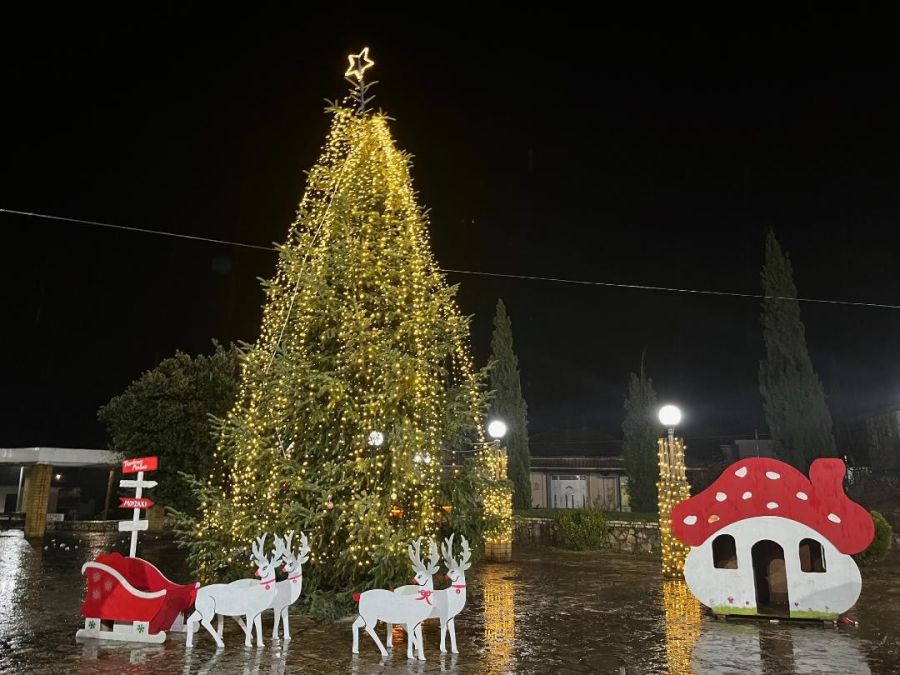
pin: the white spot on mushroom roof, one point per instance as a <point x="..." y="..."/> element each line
<point x="690" y="520"/>
<point x="721" y="497"/>
<point x="833" y="518"/>
<point x="740" y="473"/>
<point x="802" y="495"/>
<point x="747" y="495"/>
<point x="773" y="475"/>
<point x="772" y="505"/>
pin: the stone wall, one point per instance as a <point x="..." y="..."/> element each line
<point x="534" y="530"/>
<point x="633" y="536"/>
<point x="623" y="535"/>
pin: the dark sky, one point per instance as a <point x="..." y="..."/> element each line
<point x="596" y="147"/>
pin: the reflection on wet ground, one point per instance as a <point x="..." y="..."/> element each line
<point x="546" y="612"/>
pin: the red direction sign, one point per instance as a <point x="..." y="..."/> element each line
<point x="140" y="464"/>
<point x="135" y="503"/>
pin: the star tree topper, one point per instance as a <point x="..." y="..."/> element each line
<point x="359" y="64"/>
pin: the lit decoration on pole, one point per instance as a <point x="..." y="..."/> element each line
<point x="672" y="488"/>
<point x="359" y="64"/>
<point x="497" y="497"/>
<point x="362" y="363"/>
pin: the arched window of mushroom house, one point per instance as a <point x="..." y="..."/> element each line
<point x="812" y="556"/>
<point x="724" y="552"/>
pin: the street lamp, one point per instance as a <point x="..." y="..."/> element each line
<point x="670" y="417"/>
<point x="496" y="429"/>
<point x="497" y="496"/>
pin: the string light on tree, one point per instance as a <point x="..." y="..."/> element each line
<point x="361" y="341"/>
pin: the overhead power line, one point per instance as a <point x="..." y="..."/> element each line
<point x="498" y="275"/>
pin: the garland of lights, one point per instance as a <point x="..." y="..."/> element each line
<point x="498" y="496"/>
<point x="672" y="488"/>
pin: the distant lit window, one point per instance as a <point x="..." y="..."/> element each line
<point x="724" y="552"/>
<point x="812" y="556"/>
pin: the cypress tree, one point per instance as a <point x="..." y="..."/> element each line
<point x="509" y="406"/>
<point x="639" y="448"/>
<point x="796" y="411"/>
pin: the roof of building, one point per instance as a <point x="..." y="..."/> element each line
<point x="610" y="463"/>
<point x="58" y="456"/>
<point x="580" y="462"/>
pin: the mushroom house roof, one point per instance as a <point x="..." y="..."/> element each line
<point x="762" y="486"/>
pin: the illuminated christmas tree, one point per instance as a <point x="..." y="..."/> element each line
<point x="360" y="390"/>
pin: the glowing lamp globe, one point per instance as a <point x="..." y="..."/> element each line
<point x="670" y="415"/>
<point x="496" y="429"/>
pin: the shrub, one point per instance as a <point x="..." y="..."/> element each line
<point x="881" y="542"/>
<point x="581" y="529"/>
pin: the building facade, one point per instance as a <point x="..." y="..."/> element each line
<point x="578" y="483"/>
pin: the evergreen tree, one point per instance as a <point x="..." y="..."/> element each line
<point x="796" y="411"/>
<point x="167" y="412"/>
<point x="360" y="387"/>
<point x="639" y="448"/>
<point x="509" y="406"/>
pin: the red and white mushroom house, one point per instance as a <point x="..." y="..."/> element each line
<point x="766" y="540"/>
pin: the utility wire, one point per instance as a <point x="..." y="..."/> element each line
<point x="136" y="229"/>
<point x="498" y="275"/>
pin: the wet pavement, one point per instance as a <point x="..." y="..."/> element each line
<point x="546" y="612"/>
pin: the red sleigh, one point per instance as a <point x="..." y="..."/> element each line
<point x="135" y="597"/>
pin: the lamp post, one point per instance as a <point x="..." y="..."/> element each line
<point x="670" y="417"/>
<point x="497" y="497"/>
<point x="672" y="488"/>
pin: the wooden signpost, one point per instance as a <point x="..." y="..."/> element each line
<point x="138" y="465"/>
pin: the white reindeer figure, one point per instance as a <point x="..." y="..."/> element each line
<point x="447" y="603"/>
<point x="244" y="597"/>
<point x="450" y="601"/>
<point x="288" y="590"/>
<point x="383" y="605"/>
<point x="422" y="570"/>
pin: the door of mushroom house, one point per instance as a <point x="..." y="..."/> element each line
<point x="770" y="579"/>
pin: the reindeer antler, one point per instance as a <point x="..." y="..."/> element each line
<point x="304" y="544"/>
<point x="278" y="551"/>
<point x="447" y="550"/>
<point x="258" y="547"/>
<point x="303" y="553"/>
<point x="464" y="563"/>
<point x="415" y="554"/>
<point x="287" y="541"/>
<point x="434" y="557"/>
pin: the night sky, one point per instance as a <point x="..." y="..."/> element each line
<point x="596" y="148"/>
